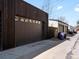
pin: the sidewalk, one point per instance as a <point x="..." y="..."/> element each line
<point x="60" y="51"/>
<point x="29" y="51"/>
<point x="74" y="53"/>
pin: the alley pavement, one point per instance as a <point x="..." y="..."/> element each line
<point x="74" y="53"/>
<point x="46" y="49"/>
<point x="66" y="50"/>
<point x="31" y="50"/>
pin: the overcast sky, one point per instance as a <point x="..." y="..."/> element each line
<point x="66" y="8"/>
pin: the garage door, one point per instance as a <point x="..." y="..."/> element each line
<point x="0" y="30"/>
<point x="61" y="28"/>
<point x="27" y="30"/>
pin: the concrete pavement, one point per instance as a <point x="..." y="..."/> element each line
<point x="30" y="50"/>
<point x="74" y="53"/>
<point x="61" y="51"/>
<point x="46" y="49"/>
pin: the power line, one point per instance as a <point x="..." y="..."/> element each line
<point x="49" y="6"/>
<point x="53" y="6"/>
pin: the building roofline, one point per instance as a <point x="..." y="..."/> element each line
<point x="33" y="6"/>
<point x="59" y="21"/>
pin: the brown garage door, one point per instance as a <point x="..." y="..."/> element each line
<point x="27" y="31"/>
<point x="0" y="30"/>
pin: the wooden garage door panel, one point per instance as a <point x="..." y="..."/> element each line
<point x="0" y="30"/>
<point x="19" y="31"/>
<point x="27" y="32"/>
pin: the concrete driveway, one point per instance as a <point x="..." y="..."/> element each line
<point x="62" y="51"/>
<point x="46" y="49"/>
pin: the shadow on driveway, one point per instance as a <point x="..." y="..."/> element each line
<point x="54" y="42"/>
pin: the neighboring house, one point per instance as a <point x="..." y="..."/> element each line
<point x="77" y="29"/>
<point x="21" y="23"/>
<point x="57" y="26"/>
<point x="70" y="28"/>
<point x="53" y="28"/>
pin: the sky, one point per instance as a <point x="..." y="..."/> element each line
<point x="67" y="9"/>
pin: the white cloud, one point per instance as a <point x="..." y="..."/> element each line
<point x="77" y="8"/>
<point x="59" y="7"/>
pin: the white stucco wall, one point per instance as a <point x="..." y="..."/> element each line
<point x="53" y="24"/>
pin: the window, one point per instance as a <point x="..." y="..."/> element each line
<point x="22" y="19"/>
<point x="33" y="21"/>
<point x="39" y="22"/>
<point x="30" y="20"/>
<point x="36" y="22"/>
<point x="16" y="18"/>
<point x="26" y="20"/>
